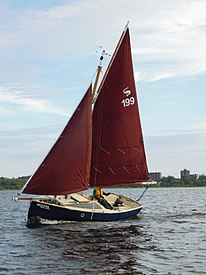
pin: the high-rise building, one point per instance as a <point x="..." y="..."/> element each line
<point x="155" y="176"/>
<point x="184" y="173"/>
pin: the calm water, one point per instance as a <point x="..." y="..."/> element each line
<point x="169" y="237"/>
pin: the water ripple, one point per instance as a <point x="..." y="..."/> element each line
<point x="167" y="238"/>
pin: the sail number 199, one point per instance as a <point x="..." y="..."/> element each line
<point x="128" y="101"/>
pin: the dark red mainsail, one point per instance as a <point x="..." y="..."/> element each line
<point x="66" y="168"/>
<point x="118" y="155"/>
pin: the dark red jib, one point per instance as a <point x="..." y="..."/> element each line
<point x="66" y="168"/>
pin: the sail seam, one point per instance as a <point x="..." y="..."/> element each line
<point x="97" y="169"/>
<point x="105" y="151"/>
<point x="121" y="151"/>
<point x="112" y="171"/>
<point x="126" y="170"/>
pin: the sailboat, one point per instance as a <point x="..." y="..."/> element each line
<point x="101" y="145"/>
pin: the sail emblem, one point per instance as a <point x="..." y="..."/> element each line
<point x="128" y="101"/>
<point x="126" y="91"/>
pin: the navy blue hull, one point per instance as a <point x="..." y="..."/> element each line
<point x="39" y="211"/>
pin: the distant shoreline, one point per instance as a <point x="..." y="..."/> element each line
<point x="170" y="181"/>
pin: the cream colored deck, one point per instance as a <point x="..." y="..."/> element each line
<point x="87" y="202"/>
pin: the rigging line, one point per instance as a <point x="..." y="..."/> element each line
<point x="142" y="193"/>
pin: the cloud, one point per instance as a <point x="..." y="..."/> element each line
<point x="171" y="43"/>
<point x="168" y="37"/>
<point x="174" y="151"/>
<point x="199" y="124"/>
<point x="25" y="148"/>
<point x="26" y="101"/>
<point x="6" y="111"/>
<point x="41" y="42"/>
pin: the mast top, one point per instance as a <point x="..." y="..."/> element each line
<point x="126" y="26"/>
<point x="101" y="59"/>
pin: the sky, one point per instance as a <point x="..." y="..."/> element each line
<point x="49" y="52"/>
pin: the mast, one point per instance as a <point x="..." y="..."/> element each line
<point x="98" y="74"/>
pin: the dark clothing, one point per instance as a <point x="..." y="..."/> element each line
<point x="105" y="203"/>
<point x="118" y="202"/>
<point x="98" y="194"/>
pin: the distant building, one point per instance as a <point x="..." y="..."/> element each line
<point x="184" y="173"/>
<point x="155" y="176"/>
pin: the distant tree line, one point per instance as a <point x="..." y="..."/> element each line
<point x="170" y="181"/>
<point x="190" y="181"/>
<point x="13" y="183"/>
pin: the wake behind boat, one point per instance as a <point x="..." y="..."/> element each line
<point x="102" y="146"/>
